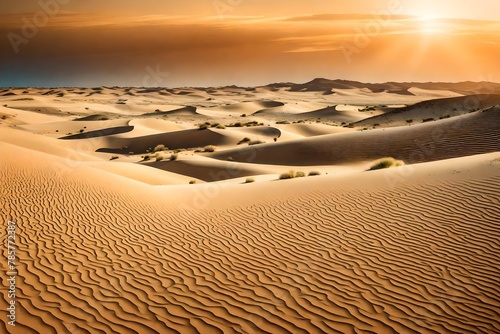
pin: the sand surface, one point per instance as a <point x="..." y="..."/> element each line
<point x="113" y="237"/>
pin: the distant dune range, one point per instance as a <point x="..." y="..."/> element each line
<point x="128" y="223"/>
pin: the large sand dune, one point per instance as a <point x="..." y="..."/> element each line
<point x="129" y="246"/>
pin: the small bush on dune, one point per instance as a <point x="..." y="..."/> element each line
<point x="220" y="126"/>
<point x="160" y="148"/>
<point x="249" y="180"/>
<point x="291" y="175"/>
<point x="159" y="158"/>
<point x="192" y="182"/>
<point x="173" y="157"/>
<point x="386" y="163"/>
<point x="203" y="126"/>
<point x="209" y="148"/>
<point x="244" y="140"/>
<point x="314" y="173"/>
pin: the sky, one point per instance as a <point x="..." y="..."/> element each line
<point x="50" y="43"/>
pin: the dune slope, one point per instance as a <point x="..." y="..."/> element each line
<point x="464" y="135"/>
<point x="101" y="254"/>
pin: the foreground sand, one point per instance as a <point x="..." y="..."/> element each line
<point x="119" y="246"/>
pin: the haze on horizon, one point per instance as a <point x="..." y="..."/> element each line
<point x="245" y="42"/>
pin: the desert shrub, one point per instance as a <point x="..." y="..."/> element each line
<point x="209" y="148"/>
<point x="386" y="163"/>
<point x="409" y="121"/>
<point x="291" y="175"/>
<point x="283" y="122"/>
<point x="159" y="157"/>
<point x="173" y="157"/>
<point x="249" y="180"/>
<point x="203" y="126"/>
<point x="376" y="124"/>
<point x="159" y="148"/>
<point x="220" y="126"/>
<point x="82" y="130"/>
<point x="146" y="158"/>
<point x="243" y="115"/>
<point x="314" y="173"/>
<point x="244" y="140"/>
<point x="214" y="125"/>
<point x="427" y="120"/>
<point x="192" y="182"/>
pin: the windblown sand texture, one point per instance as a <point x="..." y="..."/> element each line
<point x="109" y="242"/>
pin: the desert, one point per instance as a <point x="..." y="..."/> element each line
<point x="276" y="208"/>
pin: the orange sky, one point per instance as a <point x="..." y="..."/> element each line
<point x="246" y="42"/>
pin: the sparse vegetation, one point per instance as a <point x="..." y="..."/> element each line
<point x="209" y="148"/>
<point x="192" y="182"/>
<point x="291" y="175"/>
<point x="386" y="163"/>
<point x="248" y="124"/>
<point x="282" y="122"/>
<point x="220" y="126"/>
<point x="173" y="157"/>
<point x="159" y="148"/>
<point x="314" y="173"/>
<point x="244" y="140"/>
<point x="427" y="120"/>
<point x="409" y="121"/>
<point x="203" y="126"/>
<point x="249" y="180"/>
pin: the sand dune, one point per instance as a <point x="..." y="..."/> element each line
<point x="432" y="110"/>
<point x="217" y="243"/>
<point x="134" y="261"/>
<point x="463" y="135"/>
<point x="193" y="138"/>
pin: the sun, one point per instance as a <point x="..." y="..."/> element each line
<point x="430" y="24"/>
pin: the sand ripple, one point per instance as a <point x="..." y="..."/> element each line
<point x="412" y="259"/>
